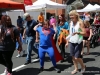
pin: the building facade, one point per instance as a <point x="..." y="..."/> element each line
<point x="91" y="1"/>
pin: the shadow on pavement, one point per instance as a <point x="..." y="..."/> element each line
<point x="62" y="67"/>
<point x="69" y="59"/>
<point x="27" y="71"/>
<point x="26" y="55"/>
<point x="95" y="53"/>
<point x="92" y="71"/>
<point x="85" y="60"/>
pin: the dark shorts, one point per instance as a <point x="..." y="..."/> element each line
<point x="85" y="38"/>
<point x="75" y="49"/>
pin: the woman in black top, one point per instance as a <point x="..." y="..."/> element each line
<point x="8" y="36"/>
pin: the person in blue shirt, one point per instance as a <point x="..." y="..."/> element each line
<point x="45" y="44"/>
<point x="62" y="24"/>
<point x="29" y="34"/>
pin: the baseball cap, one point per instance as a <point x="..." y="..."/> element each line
<point x="26" y="15"/>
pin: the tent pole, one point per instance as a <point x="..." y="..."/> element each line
<point x="20" y="13"/>
<point x="45" y="13"/>
<point x="56" y="14"/>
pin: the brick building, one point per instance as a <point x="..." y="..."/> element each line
<point x="91" y="1"/>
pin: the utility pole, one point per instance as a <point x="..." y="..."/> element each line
<point x="64" y="2"/>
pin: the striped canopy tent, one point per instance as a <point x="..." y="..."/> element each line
<point x="6" y="5"/>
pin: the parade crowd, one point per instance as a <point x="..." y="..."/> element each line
<point x="42" y="36"/>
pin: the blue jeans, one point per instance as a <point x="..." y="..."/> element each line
<point x="30" y="42"/>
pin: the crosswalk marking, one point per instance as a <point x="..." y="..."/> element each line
<point x="19" y="67"/>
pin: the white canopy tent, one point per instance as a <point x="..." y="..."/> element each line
<point x="44" y="5"/>
<point x="88" y="8"/>
<point x="27" y="8"/>
<point x="97" y="6"/>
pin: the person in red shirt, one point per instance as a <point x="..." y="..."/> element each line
<point x="97" y="21"/>
<point x="87" y="36"/>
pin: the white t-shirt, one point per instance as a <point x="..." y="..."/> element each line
<point x="75" y="38"/>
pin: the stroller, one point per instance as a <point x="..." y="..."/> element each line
<point x="95" y="37"/>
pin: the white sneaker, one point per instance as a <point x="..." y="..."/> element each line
<point x="18" y="56"/>
<point x="5" y="72"/>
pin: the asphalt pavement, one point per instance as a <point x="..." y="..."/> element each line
<point x="91" y="61"/>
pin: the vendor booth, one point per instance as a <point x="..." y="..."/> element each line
<point x="6" y="5"/>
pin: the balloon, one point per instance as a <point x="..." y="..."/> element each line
<point x="52" y="20"/>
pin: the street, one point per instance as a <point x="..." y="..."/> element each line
<point x="91" y="61"/>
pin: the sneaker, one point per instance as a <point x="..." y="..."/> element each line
<point x="57" y="70"/>
<point x="62" y="61"/>
<point x="9" y="74"/>
<point x="5" y="72"/>
<point x="41" y="69"/>
<point x="18" y="56"/>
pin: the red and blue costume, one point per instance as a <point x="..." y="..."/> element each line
<point x="47" y="45"/>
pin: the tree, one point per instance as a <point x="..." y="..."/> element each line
<point x="68" y="2"/>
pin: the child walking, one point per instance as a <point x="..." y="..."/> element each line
<point x="17" y="46"/>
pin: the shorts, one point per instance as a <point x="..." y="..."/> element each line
<point x="75" y="49"/>
<point x="85" y="38"/>
<point x="17" y="46"/>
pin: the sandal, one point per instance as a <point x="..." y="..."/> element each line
<point x="87" y="53"/>
<point x="74" y="72"/>
<point x="82" y="53"/>
<point x="83" y="70"/>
